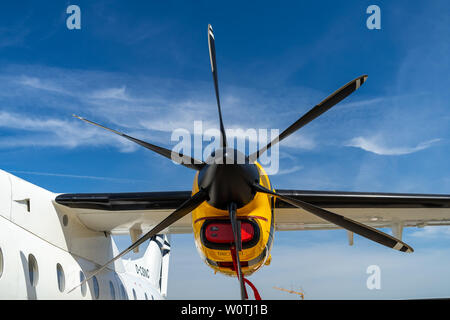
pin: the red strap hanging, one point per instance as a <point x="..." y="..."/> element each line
<point x="255" y="291"/>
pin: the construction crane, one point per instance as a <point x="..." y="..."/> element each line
<point x="301" y="294"/>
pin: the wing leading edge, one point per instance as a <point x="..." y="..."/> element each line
<point x="374" y="209"/>
<point x="120" y="212"/>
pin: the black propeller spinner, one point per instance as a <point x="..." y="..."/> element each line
<point x="229" y="179"/>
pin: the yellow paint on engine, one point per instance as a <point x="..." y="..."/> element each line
<point x="259" y="209"/>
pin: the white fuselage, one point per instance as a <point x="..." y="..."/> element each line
<point x="45" y="251"/>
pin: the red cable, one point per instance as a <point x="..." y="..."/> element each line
<point x="255" y="291"/>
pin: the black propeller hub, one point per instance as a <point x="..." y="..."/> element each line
<point x="228" y="177"/>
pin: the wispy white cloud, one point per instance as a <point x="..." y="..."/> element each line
<point x="37" y="83"/>
<point x="111" y="93"/>
<point x="75" y="176"/>
<point x="299" y="140"/>
<point x="133" y="105"/>
<point x="379" y="101"/>
<point x="123" y="103"/>
<point x="363" y="103"/>
<point x="53" y="132"/>
<point x="289" y="170"/>
<point x="374" y="145"/>
<point x="432" y="232"/>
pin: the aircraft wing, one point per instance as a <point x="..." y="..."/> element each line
<point x="377" y="210"/>
<point x="120" y="212"/>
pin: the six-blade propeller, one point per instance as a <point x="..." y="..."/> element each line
<point x="204" y="194"/>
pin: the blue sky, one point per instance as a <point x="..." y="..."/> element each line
<point x="143" y="68"/>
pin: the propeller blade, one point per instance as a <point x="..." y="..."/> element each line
<point x="212" y="56"/>
<point x="322" y="107"/>
<point x="235" y="226"/>
<point x="346" y="223"/>
<point x="186" y="160"/>
<point x="188" y="206"/>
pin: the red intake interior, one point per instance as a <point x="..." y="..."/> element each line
<point x="222" y="232"/>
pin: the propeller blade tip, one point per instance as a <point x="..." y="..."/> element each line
<point x="360" y="81"/>
<point x="210" y="31"/>
<point x="403" y="247"/>
<point x="409" y="250"/>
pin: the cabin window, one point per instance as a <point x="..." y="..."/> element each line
<point x="1" y="262"/>
<point x="113" y="291"/>
<point x="124" y="294"/>
<point x="61" y="278"/>
<point x="96" y="288"/>
<point x="65" y="220"/>
<point x="134" y="295"/>
<point x="83" y="286"/>
<point x="33" y="270"/>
